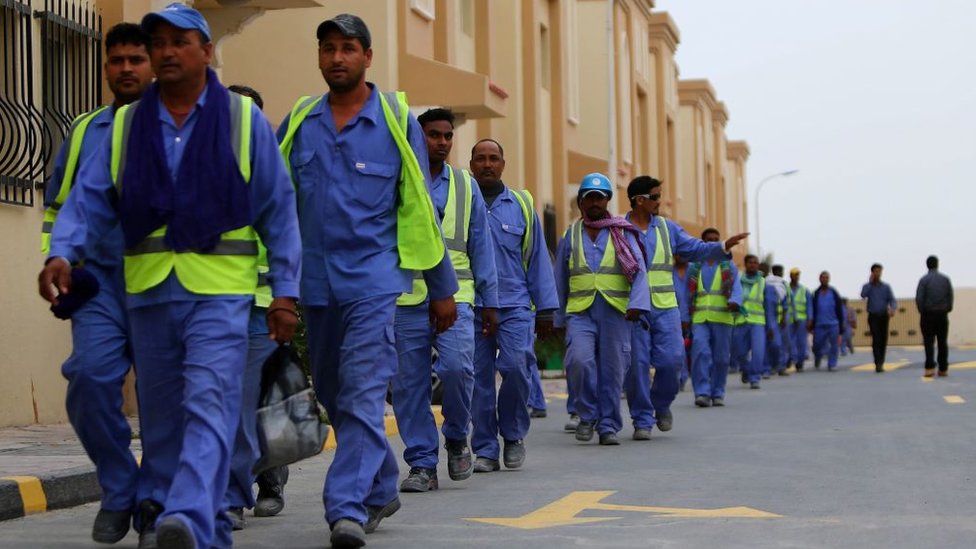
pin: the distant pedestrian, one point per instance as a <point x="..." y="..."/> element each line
<point x="826" y="318"/>
<point x="881" y="307"/>
<point x="934" y="300"/>
<point x="801" y="296"/>
<point x="847" y="331"/>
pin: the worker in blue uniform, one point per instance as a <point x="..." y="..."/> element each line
<point x="524" y="280"/>
<point x="662" y="345"/>
<point x="801" y="297"/>
<point x="752" y="328"/>
<point x="100" y="356"/>
<point x="681" y="291"/>
<point x="826" y="319"/>
<point x="537" y="395"/>
<point x="601" y="280"/>
<point x="716" y="301"/>
<point x="461" y="209"/>
<point x="190" y="267"/>
<point x="358" y="159"/>
<point x="270" y="499"/>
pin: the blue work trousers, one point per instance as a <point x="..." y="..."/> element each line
<point x="505" y="353"/>
<point x="749" y="349"/>
<point x="799" y="343"/>
<point x="667" y="356"/>
<point x="190" y="358"/>
<point x="353" y="359"/>
<point x="847" y="339"/>
<point x="774" y="350"/>
<point x="786" y="353"/>
<point x="637" y="381"/>
<point x="96" y="370"/>
<point x="412" y="382"/>
<point x="685" y="368"/>
<point x="710" y="356"/>
<point x="825" y="343"/>
<point x="247" y="449"/>
<point x="598" y="346"/>
<point x="537" y="396"/>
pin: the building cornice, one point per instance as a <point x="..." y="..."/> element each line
<point x="720" y="113"/>
<point x="697" y="92"/>
<point x="737" y="150"/>
<point x="662" y="27"/>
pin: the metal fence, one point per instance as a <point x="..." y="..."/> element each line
<point x="65" y="38"/>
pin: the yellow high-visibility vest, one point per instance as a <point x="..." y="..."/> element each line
<point x="711" y="305"/>
<point x="609" y="280"/>
<point x="753" y="303"/>
<point x="660" y="276"/>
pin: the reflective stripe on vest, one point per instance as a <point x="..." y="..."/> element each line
<point x="711" y="305"/>
<point x="76" y="138"/>
<point x="800" y="303"/>
<point x="753" y="304"/>
<point x="231" y="267"/>
<point x="262" y="294"/>
<point x="660" y="276"/>
<point x="609" y="279"/>
<point x="456" y="225"/>
<point x="419" y="242"/>
<point x="524" y="198"/>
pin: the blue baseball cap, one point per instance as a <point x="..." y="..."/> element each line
<point x="180" y="16"/>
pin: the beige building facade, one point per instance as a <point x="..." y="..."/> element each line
<point x="568" y="87"/>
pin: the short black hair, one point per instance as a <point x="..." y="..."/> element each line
<point x="709" y="231"/>
<point x="778" y="270"/>
<point x="248" y="91"/>
<point x="748" y="257"/>
<point x="876" y="266"/>
<point x="488" y="139"/>
<point x="642" y="184"/>
<point x="932" y="262"/>
<point x="435" y="114"/>
<point x="126" y="33"/>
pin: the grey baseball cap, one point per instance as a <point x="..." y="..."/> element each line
<point x="349" y="25"/>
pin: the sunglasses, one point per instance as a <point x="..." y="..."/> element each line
<point x="651" y="197"/>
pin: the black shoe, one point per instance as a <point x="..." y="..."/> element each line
<point x="703" y="401"/>
<point x="486" y="465"/>
<point x="147" y="512"/>
<point x="744" y="377"/>
<point x="537" y="413"/>
<point x="111" y="526"/>
<point x="665" y="421"/>
<point x="572" y="424"/>
<point x="271" y="492"/>
<point x="376" y="514"/>
<point x="173" y="533"/>
<point x="236" y="516"/>
<point x="816" y="363"/>
<point x="347" y="534"/>
<point x="879" y="369"/>
<point x="459" y="462"/>
<point x="639" y="434"/>
<point x="419" y="480"/>
<point x="718" y="401"/>
<point x="783" y="373"/>
<point x="609" y="439"/>
<point x="584" y="432"/>
<point x="513" y="454"/>
<point x="754" y="385"/>
<point x="799" y="368"/>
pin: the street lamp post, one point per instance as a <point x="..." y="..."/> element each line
<point x="765" y="180"/>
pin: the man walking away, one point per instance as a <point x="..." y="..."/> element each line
<point x="934" y="300"/>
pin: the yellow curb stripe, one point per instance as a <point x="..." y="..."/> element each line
<point x="954" y="399"/>
<point x="31" y="493"/>
<point x="389" y="424"/>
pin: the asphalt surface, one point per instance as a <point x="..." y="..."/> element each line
<point x="843" y="459"/>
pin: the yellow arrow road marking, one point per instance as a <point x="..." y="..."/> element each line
<point x="964" y="366"/>
<point x="954" y="399"/>
<point x="562" y="512"/>
<point x="888" y="366"/>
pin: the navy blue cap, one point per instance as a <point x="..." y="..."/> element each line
<point x="180" y="16"/>
<point x="351" y="26"/>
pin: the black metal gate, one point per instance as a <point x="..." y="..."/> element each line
<point x="34" y="122"/>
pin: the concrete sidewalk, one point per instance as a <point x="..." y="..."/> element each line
<point x="44" y="467"/>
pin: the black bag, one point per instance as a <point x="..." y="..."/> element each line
<point x="289" y="427"/>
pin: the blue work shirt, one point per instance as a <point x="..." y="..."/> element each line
<point x="105" y="252"/>
<point x="707" y="274"/>
<point x="90" y="210"/>
<point x="519" y="286"/>
<point x="691" y="248"/>
<point x="481" y="251"/>
<point x="769" y="297"/>
<point x="879" y="298"/>
<point x="682" y="293"/>
<point x="593" y="250"/>
<point x="348" y="190"/>
<point x="828" y="308"/>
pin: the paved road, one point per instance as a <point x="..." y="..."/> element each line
<point x="844" y="459"/>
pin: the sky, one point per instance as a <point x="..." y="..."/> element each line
<point x="874" y="102"/>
